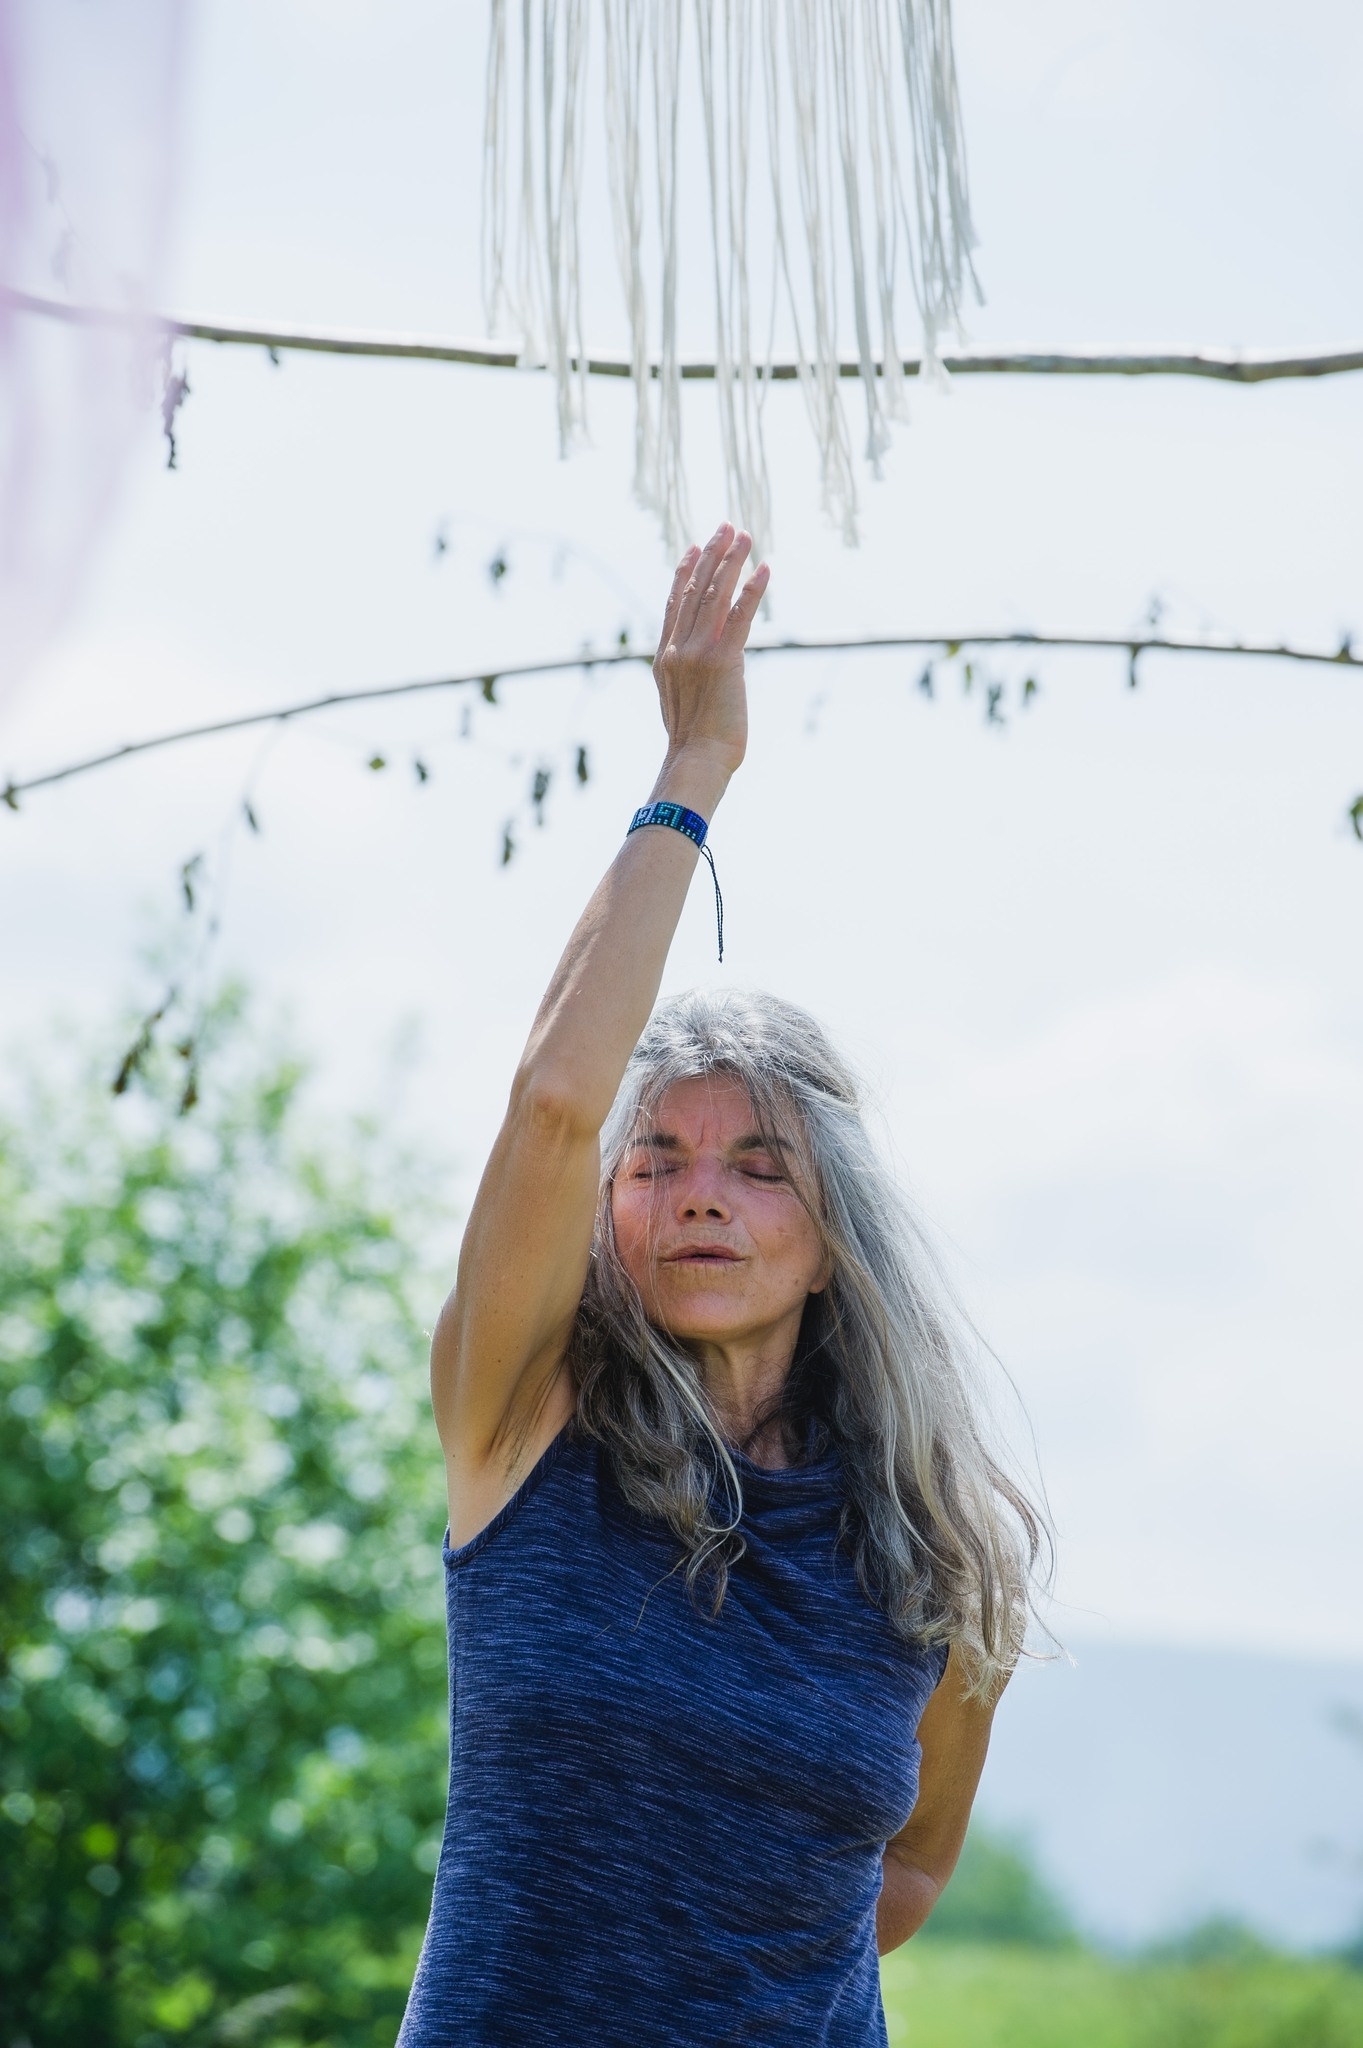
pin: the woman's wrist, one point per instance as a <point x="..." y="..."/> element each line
<point x="696" y="775"/>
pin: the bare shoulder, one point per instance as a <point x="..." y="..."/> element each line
<point x="480" y="1486"/>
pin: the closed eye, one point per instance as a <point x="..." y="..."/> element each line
<point x="653" y="1169"/>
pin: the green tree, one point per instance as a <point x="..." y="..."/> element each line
<point x="1219" y="1939"/>
<point x="222" y="1703"/>
<point x="997" y="1894"/>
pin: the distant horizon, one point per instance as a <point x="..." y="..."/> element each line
<point x="1164" y="1785"/>
<point x="1291" y="1653"/>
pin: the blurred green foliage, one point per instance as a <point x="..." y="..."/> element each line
<point x="1219" y="1939"/>
<point x="950" y="1994"/>
<point x="997" y="1894"/>
<point x="222" y="1694"/>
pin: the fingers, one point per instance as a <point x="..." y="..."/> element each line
<point x="699" y="581"/>
<point x="745" y="607"/>
<point x="703" y="589"/>
<point x="714" y="606"/>
<point x="674" y="596"/>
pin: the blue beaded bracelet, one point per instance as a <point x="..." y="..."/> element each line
<point x="675" y="815"/>
<point x="693" y="827"/>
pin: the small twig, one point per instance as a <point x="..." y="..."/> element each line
<point x="486" y="680"/>
<point x="131" y="1063"/>
<point x="1226" y="365"/>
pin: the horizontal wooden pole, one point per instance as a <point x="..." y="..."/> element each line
<point x="1227" y="366"/>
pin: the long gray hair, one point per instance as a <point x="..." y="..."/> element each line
<point x="943" y="1538"/>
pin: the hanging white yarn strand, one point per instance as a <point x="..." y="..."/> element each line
<point x="532" y="250"/>
<point x="666" y="24"/>
<point x="757" y="495"/>
<point x="624" y="99"/>
<point x="837" y="484"/>
<point x="735" y="385"/>
<point x="880" y="136"/>
<point x="492" y="246"/>
<point x="844" y="81"/>
<point x="565" y="55"/>
<point x="806" y="64"/>
<point x="940" y="249"/>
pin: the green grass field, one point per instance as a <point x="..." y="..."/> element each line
<point x="978" y="1995"/>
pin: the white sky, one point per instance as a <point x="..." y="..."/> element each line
<point x="1102" y="968"/>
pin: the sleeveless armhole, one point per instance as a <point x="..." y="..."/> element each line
<point x="455" y="1558"/>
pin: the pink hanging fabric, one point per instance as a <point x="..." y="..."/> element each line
<point x="89" y="100"/>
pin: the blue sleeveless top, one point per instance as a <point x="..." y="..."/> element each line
<point x="664" y="1829"/>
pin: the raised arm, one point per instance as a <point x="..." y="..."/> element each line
<point x="498" y="1381"/>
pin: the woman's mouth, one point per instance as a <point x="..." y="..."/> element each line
<point x="702" y="1255"/>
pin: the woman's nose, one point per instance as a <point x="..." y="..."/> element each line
<point x="702" y="1194"/>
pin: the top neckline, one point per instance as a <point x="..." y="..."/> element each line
<point x="816" y="1475"/>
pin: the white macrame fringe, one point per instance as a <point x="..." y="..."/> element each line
<point x="858" y="115"/>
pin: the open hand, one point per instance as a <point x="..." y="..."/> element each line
<point x="699" y="664"/>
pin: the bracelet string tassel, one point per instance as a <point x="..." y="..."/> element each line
<point x="706" y="855"/>
<point x="692" y="826"/>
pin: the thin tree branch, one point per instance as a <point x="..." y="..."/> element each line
<point x="1228" y="366"/>
<point x="487" y="679"/>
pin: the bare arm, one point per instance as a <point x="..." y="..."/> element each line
<point x="954" y="1734"/>
<point x="497" y="1379"/>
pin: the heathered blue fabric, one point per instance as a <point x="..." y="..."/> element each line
<point x="664" y="1830"/>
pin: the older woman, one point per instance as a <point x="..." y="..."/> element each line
<point x="732" y="1583"/>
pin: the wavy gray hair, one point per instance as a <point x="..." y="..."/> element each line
<point x="944" y="1539"/>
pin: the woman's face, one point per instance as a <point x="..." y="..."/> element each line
<point x="708" y="1222"/>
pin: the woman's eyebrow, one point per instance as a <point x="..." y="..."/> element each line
<point x="668" y="1141"/>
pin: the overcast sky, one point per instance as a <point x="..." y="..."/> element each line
<point x="1101" y="966"/>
